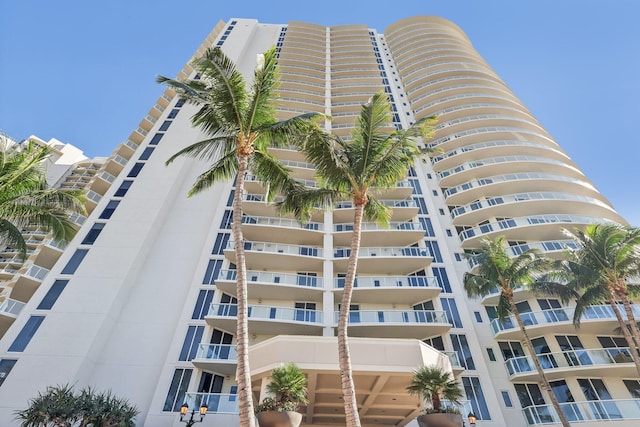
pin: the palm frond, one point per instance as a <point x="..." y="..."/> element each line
<point x="223" y="169"/>
<point x="207" y="149"/>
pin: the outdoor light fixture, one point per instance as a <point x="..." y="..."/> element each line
<point x="472" y="419"/>
<point x="183" y="411"/>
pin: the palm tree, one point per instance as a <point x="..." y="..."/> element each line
<point x="373" y="159"/>
<point x="288" y="386"/>
<point x="241" y="125"/>
<point x="27" y="200"/>
<point x="431" y="383"/>
<point x="496" y="270"/>
<point x="605" y="269"/>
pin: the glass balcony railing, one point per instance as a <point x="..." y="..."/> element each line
<point x="37" y="272"/>
<point x="559" y="315"/>
<point x="407" y="203"/>
<point x="389" y="282"/>
<point x="282" y="222"/>
<point x="279" y="248"/>
<point x="373" y="226"/>
<point x="275" y="278"/>
<point x="11" y="307"/>
<point x="453" y="358"/>
<point x="595" y="410"/>
<point x="384" y="252"/>
<point x="496" y="161"/>
<point x="222" y="352"/>
<point x="217" y="403"/>
<point x="569" y="359"/>
<point x="266" y="312"/>
<point x="545" y="247"/>
<point x="381" y="317"/>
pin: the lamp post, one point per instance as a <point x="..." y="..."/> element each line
<point x="472" y="419"/>
<point x="190" y="422"/>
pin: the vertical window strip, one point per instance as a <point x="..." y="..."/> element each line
<point x="52" y="295"/>
<point x="177" y="390"/>
<point x="461" y="346"/>
<point x="202" y="304"/>
<point x="28" y="331"/>
<point x="473" y="390"/>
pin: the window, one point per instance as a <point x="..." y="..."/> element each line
<point x="441" y="277"/>
<point x="634" y="388"/>
<point x="230" y="199"/>
<point x="146" y="153"/>
<point x="422" y="207"/>
<point x="529" y="395"/>
<point x="510" y="349"/>
<point x="473" y="390"/>
<point x="478" y="316"/>
<point x="177" y="390"/>
<point x="434" y="250"/>
<point x="506" y="398"/>
<point x="227" y="219"/>
<point x="213" y="270"/>
<point x="156" y="138"/>
<point x="28" y="330"/>
<point x="441" y="211"/>
<point x="93" y="234"/>
<point x="491" y="354"/>
<point x="165" y="125"/>
<point x="457" y="257"/>
<point x="449" y="233"/>
<point x="461" y="346"/>
<point x="202" y="304"/>
<point x="52" y="296"/>
<point x="173" y="113"/>
<point x="219" y="246"/>
<point x="124" y="187"/>
<point x="135" y="170"/>
<point x="180" y="103"/>
<point x="109" y="209"/>
<point x="451" y="309"/>
<point x="74" y="261"/>
<point x="191" y="343"/>
<point x="435" y="342"/>
<point x="427" y="226"/>
<point x="429" y="176"/>
<point x="416" y="186"/>
<point x="6" y="365"/>
<point x="435" y="192"/>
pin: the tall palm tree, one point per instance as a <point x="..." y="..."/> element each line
<point x="373" y="159"/>
<point x="241" y="125"/>
<point x="27" y="200"/>
<point x="496" y="270"/>
<point x="605" y="269"/>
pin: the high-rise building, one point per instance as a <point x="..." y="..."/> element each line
<point x="142" y="300"/>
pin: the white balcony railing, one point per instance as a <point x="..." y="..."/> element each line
<point x="384" y="252"/>
<point x="374" y="226"/>
<point x="275" y="278"/>
<point x="389" y="282"/>
<point x="279" y="248"/>
<point x="282" y="222"/>
<point x="11" y="307"/>
<point x="382" y="317"/>
<point x="267" y="312"/>
<point x="37" y="272"/>
<point x="569" y="359"/>
<point x="223" y="352"/>
<point x="595" y="410"/>
<point x="217" y="403"/>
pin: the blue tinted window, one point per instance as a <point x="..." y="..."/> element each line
<point x="124" y="187"/>
<point x="443" y="280"/>
<point x="52" y="296"/>
<point x="75" y="261"/>
<point x="220" y="244"/>
<point x="506" y="398"/>
<point x="191" y="341"/>
<point x="109" y="209"/>
<point x="473" y="390"/>
<point x="202" y="304"/>
<point x="434" y="249"/>
<point x="165" y="125"/>
<point x="6" y="365"/>
<point x="135" y="170"/>
<point x="93" y="234"/>
<point x="173" y="113"/>
<point x="146" y="153"/>
<point x="27" y="332"/>
<point x="177" y="390"/>
<point x="213" y="270"/>
<point x="156" y="138"/>
<point x="451" y="309"/>
<point x="461" y="346"/>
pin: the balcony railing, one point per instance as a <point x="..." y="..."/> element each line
<point x="37" y="272"/>
<point x="596" y="410"/>
<point x="374" y="226"/>
<point x="384" y="252"/>
<point x="407" y="203"/>
<point x="217" y="403"/>
<point x="389" y="282"/>
<point x="381" y="317"/>
<point x="279" y="248"/>
<point x="266" y="312"/>
<point x="11" y="306"/>
<point x="569" y="359"/>
<point x="282" y="222"/>
<point x="275" y="278"/>
<point x="453" y="358"/>
<point x="226" y="352"/>
<point x="558" y="315"/>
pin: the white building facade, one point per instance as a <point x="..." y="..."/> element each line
<point x="142" y="300"/>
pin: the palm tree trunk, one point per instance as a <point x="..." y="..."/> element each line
<point x="344" y="357"/>
<point x="543" y="378"/>
<point x="633" y="348"/>
<point x="245" y="398"/>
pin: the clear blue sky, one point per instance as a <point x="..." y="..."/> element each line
<point x="83" y="71"/>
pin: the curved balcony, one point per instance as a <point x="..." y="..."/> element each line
<point x="268" y="320"/>
<point x="257" y="205"/>
<point x="254" y="185"/>
<point x="522" y="181"/>
<point x="221" y="358"/>
<point x="539" y="202"/>
<point x="373" y="234"/>
<point x="587" y="362"/>
<point x="538" y="227"/>
<point x="618" y="412"/>
<point x="9" y="311"/>
<point x="303" y="170"/>
<point x="417" y="324"/>
<point x="217" y="403"/>
<point x="277" y="256"/>
<point x="386" y="289"/>
<point x="384" y="260"/>
<point x="284" y="230"/>
<point x="596" y="319"/>
<point x="274" y="285"/>
<point x="402" y="210"/>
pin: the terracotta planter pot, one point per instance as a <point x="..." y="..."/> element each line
<point x="279" y="419"/>
<point x="439" y="420"/>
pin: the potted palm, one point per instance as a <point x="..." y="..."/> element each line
<point x="288" y="390"/>
<point x="433" y="384"/>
